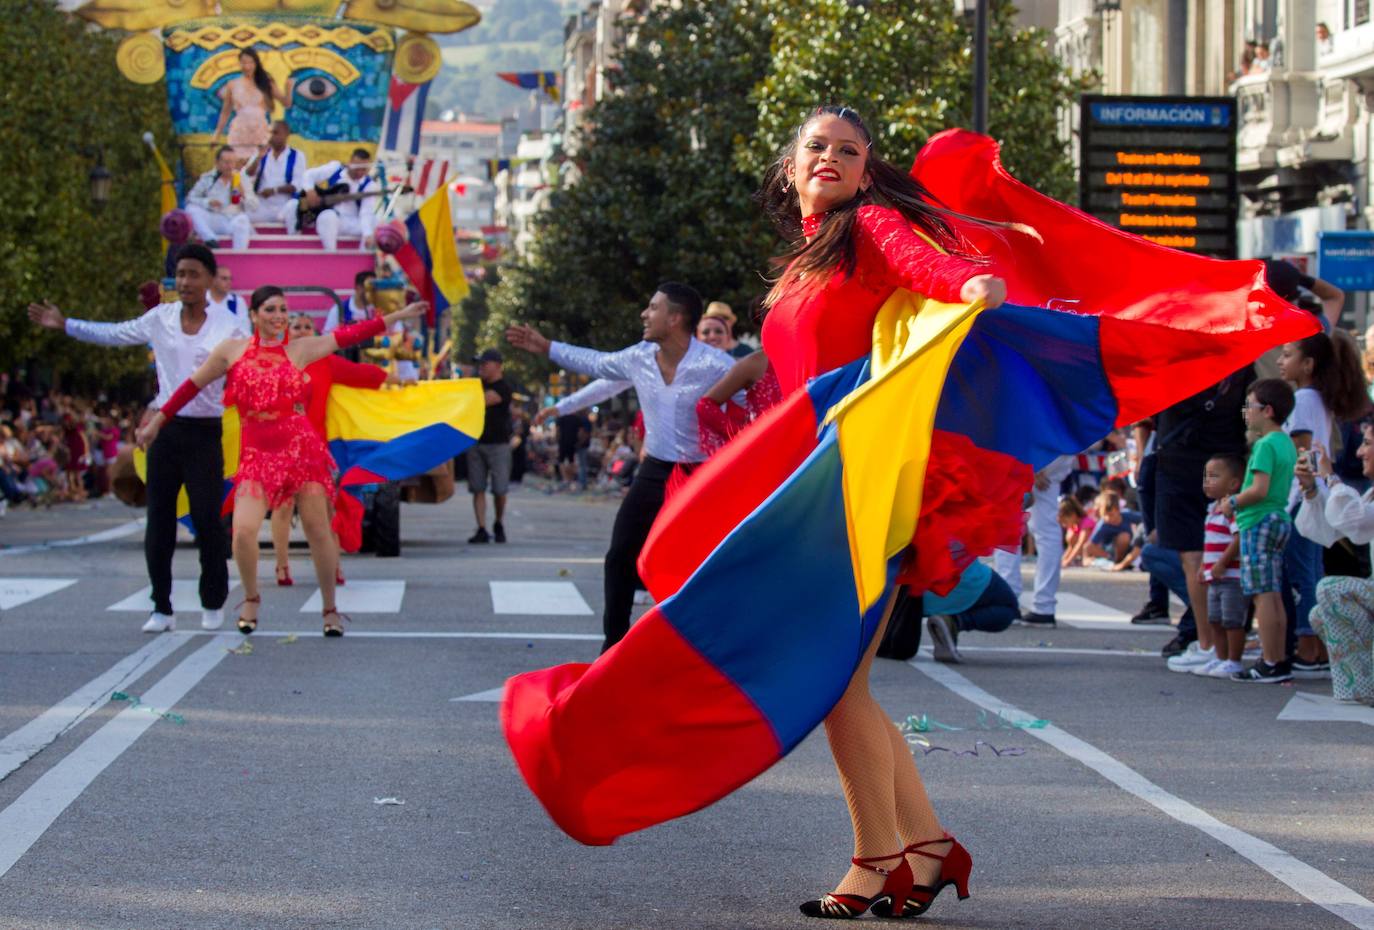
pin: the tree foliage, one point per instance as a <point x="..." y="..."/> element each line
<point x="913" y="79"/>
<point x="660" y="195"/>
<point x="61" y="98"/>
<point x="707" y="95"/>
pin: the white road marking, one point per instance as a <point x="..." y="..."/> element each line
<point x="362" y="597"/>
<point x="1312" y="884"/>
<point x="16" y="591"/>
<point x="185" y="597"/>
<point x="28" y="817"/>
<point x="1077" y="611"/>
<point x="491" y="694"/>
<point x="1057" y="650"/>
<point x="27" y="741"/>
<point x="1305" y="706"/>
<point x="538" y="598"/>
<point x="114" y="532"/>
<point x="268" y="631"/>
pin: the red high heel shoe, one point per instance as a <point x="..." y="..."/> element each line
<point x="284" y="579"/>
<point x="848" y="906"/>
<point x="955" y="866"/>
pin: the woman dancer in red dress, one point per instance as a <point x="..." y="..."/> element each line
<point x="864" y="228"/>
<point x="283" y="457"/>
<point x="320" y="377"/>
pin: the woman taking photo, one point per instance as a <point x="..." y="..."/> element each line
<point x="283" y="457"/>
<point x="249" y="99"/>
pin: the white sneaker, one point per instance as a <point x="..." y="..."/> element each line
<point x="1224" y="668"/>
<point x="1206" y="670"/>
<point x="211" y="619"/>
<point x="1191" y="658"/>
<point x="160" y="623"/>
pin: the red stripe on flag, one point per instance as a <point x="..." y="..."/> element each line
<point x="423" y="187"/>
<point x="725" y="490"/>
<point x="604" y="766"/>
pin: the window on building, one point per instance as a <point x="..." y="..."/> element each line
<point x="1147" y="47"/>
<point x="1359" y="12"/>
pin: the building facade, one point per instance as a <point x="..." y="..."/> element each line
<point x="1302" y="74"/>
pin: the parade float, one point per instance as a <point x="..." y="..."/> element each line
<point x="359" y="72"/>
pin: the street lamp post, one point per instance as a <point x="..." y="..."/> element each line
<point x="977" y="10"/>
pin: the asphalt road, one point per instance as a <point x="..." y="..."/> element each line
<point x="242" y="790"/>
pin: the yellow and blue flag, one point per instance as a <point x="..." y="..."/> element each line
<point x="380" y="436"/>
<point x="430" y="256"/>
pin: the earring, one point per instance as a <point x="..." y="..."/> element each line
<point x="787" y="185"/>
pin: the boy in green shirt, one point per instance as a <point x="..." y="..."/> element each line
<point x="1261" y="512"/>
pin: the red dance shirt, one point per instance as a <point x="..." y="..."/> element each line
<point x="810" y="331"/>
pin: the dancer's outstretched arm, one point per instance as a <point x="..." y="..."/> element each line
<point x="137" y="331"/>
<point x="313" y="348"/>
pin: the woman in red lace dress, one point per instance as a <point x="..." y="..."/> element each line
<point x="320" y="377"/>
<point x="282" y="457"/>
<point x="863" y="228"/>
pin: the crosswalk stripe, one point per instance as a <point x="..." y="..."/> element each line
<point x="538" y="598"/>
<point x="16" y="591"/>
<point x="362" y="597"/>
<point x="185" y="597"/>
<point x="1081" y="613"/>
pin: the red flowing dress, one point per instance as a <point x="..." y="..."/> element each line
<point x="971" y="501"/>
<point x="281" y="453"/>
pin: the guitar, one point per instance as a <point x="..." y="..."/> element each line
<point x="329" y="196"/>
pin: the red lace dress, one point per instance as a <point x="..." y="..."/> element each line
<point x="971" y="503"/>
<point x="281" y="453"/>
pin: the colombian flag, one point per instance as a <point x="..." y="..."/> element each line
<point x="430" y="256"/>
<point x="771" y="566"/>
<point x="547" y="81"/>
<point x="384" y="435"/>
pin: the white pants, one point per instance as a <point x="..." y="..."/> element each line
<point x="211" y="226"/>
<point x="331" y="224"/>
<point x="1049" y="549"/>
<point x="272" y="210"/>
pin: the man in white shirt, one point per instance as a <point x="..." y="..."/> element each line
<point x="187" y="450"/>
<point x="356" y="216"/>
<point x="356" y="309"/>
<point x="671" y="371"/>
<point x="220" y="202"/>
<point x="278" y="176"/>
<point x="222" y="295"/>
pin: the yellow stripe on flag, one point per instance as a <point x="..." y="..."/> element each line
<point x="446" y="269"/>
<point x="361" y="414"/>
<point x="885" y="429"/>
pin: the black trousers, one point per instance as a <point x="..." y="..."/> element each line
<point x="632" y="524"/>
<point x="187" y="451"/>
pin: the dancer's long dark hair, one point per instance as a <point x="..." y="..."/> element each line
<point x="261" y="80"/>
<point x="833" y="246"/>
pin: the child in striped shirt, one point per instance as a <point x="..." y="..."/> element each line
<point x="1220" y="570"/>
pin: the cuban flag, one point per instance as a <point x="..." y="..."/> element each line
<point x="405" y="111"/>
<point x="771" y="566"/>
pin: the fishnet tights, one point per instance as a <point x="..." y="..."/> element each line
<point x="887" y="801"/>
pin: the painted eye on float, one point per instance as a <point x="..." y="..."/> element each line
<point x="316" y="88"/>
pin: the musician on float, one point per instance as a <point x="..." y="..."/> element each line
<point x="341" y="200"/>
<point x="220" y="202"/>
<point x="278" y="176"/>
